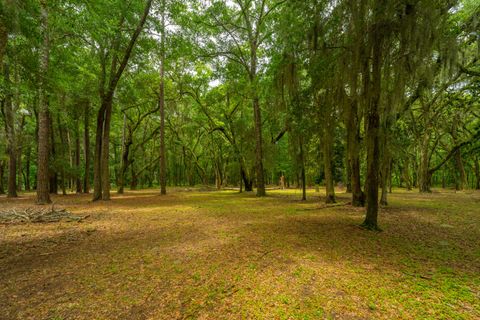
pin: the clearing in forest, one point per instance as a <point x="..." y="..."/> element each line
<point x="225" y="255"/>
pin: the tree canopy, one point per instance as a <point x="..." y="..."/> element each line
<point x="253" y="94"/>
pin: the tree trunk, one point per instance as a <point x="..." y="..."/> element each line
<point x="385" y="173"/>
<point x="43" y="196"/>
<point x="302" y="171"/>
<point x="161" y="105"/>
<point x="66" y="149"/>
<point x="62" y="150"/>
<point x="19" y="145"/>
<point x="424" y="175"/>
<point x="86" y="147"/>
<point x="3" y="47"/>
<point x="460" y="171"/>
<point x="12" y="163"/>
<point x="125" y="163"/>
<point x="105" y="155"/>
<point x="78" y="180"/>
<point x="97" y="162"/>
<point x="218" y="179"/>
<point x="390" y="176"/>
<point x="477" y="173"/>
<point x="425" y="182"/>
<point x="385" y="159"/>
<point x="244" y="174"/>
<point x="373" y="91"/>
<point x="124" y="158"/>
<point x="460" y="176"/>
<point x="19" y="169"/>
<point x="247" y="181"/>
<point x="348" y="173"/>
<point x="260" y="180"/>
<point x="406" y="174"/>
<point x="3" y="37"/>
<point x="258" y="149"/>
<point x="2" y="170"/>
<point x="241" y="181"/>
<point x="53" y="176"/>
<point x="353" y="150"/>
<point x="9" y="117"/>
<point x="27" y="169"/>
<point x="328" y="142"/>
<point x="134" y="180"/>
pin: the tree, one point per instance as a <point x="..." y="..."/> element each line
<point x="43" y="196"/>
<point x="108" y="84"/>
<point x="161" y="105"/>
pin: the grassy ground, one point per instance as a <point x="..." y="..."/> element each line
<point x="224" y="255"/>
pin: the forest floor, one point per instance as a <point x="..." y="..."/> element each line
<point x="225" y="255"/>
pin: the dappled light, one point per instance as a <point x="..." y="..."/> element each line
<point x="239" y="159"/>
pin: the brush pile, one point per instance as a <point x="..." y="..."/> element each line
<point x="38" y="215"/>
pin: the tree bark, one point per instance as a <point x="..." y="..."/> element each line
<point x="260" y="179"/>
<point x="3" y="37"/>
<point x="258" y="149"/>
<point x="373" y="91"/>
<point x="161" y="105"/>
<point x="105" y="155"/>
<point x="19" y="137"/>
<point x="53" y="176"/>
<point x="424" y="175"/>
<point x="134" y="180"/>
<point x="124" y="158"/>
<point x="328" y="142"/>
<point x="241" y="182"/>
<point x="125" y="161"/>
<point x="43" y="196"/>
<point x="477" y="173"/>
<point x="348" y="173"/>
<point x="385" y="158"/>
<point x="78" y="180"/>
<point x="461" y="177"/>
<point x="86" y="147"/>
<point x="247" y="180"/>
<point x="27" y="169"/>
<point x="63" y="149"/>
<point x="353" y="150"/>
<point x="385" y="173"/>
<point x="97" y="161"/>
<point x="406" y="174"/>
<point x="302" y="171"/>
<point x="2" y="170"/>
<point x="390" y="176"/>
<point x="9" y="117"/>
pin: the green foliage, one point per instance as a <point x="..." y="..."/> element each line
<point x="309" y="59"/>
